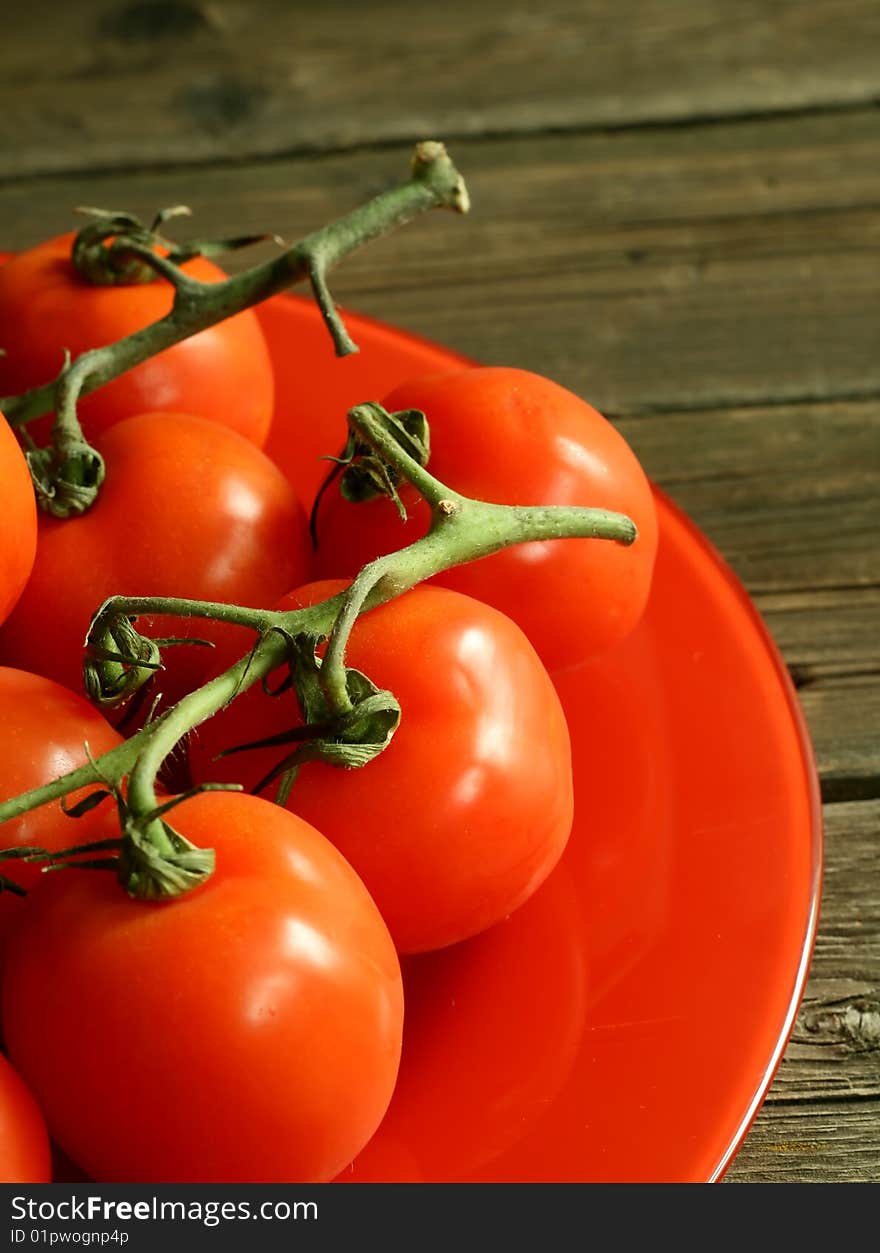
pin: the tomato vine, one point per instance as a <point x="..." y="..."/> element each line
<point x="462" y="530"/>
<point x="68" y="476"/>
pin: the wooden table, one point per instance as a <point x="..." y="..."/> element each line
<point x="675" y="214"/>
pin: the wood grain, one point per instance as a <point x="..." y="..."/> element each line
<point x="821" y="1119"/>
<point x="819" y="1142"/>
<point x="103" y="84"/>
<point x="830" y="639"/>
<point x="680" y="269"/>
<point x="787" y="493"/>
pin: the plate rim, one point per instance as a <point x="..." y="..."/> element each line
<point x="816" y="829"/>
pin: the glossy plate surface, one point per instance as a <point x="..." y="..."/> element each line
<point x="625" y="1024"/>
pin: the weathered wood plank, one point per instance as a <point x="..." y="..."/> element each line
<point x="789" y="497"/>
<point x="830" y="640"/>
<point x="825" y="633"/>
<point x="523" y="186"/>
<point x="839" y="1020"/>
<point x="108" y="83"/>
<point x="813" y="1143"/>
<point x="843" y="717"/>
<point x="787" y="493"/>
<point x="672" y="270"/>
<point x="821" y="1119"/>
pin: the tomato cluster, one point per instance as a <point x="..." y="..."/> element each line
<point x="252" y="1029"/>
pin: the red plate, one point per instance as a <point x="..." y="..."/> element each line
<point x="626" y="1023"/>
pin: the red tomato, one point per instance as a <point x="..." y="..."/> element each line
<point x="247" y="1032"/>
<point x="468" y="809"/>
<point x="224" y="373"/>
<point x="24" y="1142"/>
<point x="18" y="535"/>
<point x="513" y="437"/>
<point x="45" y="730"/>
<point x="187" y="509"/>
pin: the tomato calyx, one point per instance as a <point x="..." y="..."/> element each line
<point x="149" y="857"/>
<point x="75" y="855"/>
<point x="109" y="250"/>
<point x="158" y="863"/>
<point x="348" y="737"/>
<point x="67" y="475"/>
<point x="434" y="182"/>
<point x="119" y="662"/>
<point x="352" y="720"/>
<point x="363" y="473"/>
<point x="17" y="854"/>
<point x="117" y="249"/>
<point x="151" y="860"/>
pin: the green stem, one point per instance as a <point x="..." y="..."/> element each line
<point x="111" y="767"/>
<point x="180" y="607"/>
<point x="195" y="708"/>
<point x="434" y="183"/>
<point x="462" y="530"/>
<point x="470" y="530"/>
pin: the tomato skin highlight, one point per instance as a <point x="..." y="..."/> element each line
<point x="187" y="509"/>
<point x="25" y="1154"/>
<point x="513" y="437"/>
<point x="45" y="730"/>
<point x="460" y="819"/>
<point x="247" y="1032"/>
<point x="223" y="373"/>
<point x="18" y="535"/>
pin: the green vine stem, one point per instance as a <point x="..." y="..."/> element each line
<point x="462" y="530"/>
<point x="434" y="182"/>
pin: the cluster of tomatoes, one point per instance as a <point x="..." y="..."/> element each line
<point x="251" y="1030"/>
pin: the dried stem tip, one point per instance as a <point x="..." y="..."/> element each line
<point x="429" y="153"/>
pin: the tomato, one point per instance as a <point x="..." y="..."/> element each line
<point x="189" y="509"/>
<point x="249" y="1031"/>
<point x="24" y="1142"/>
<point x="465" y="813"/>
<point x="45" y="730"/>
<point x="513" y="437"/>
<point x="224" y="373"/>
<point x="18" y="535"/>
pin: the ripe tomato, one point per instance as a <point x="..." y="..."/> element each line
<point x="468" y="809"/>
<point x="224" y="373"/>
<point x="188" y="508"/>
<point x="45" y="730"/>
<point x="512" y="437"/>
<point x="24" y="1142"/>
<point x="249" y="1031"/>
<point x="18" y="535"/>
